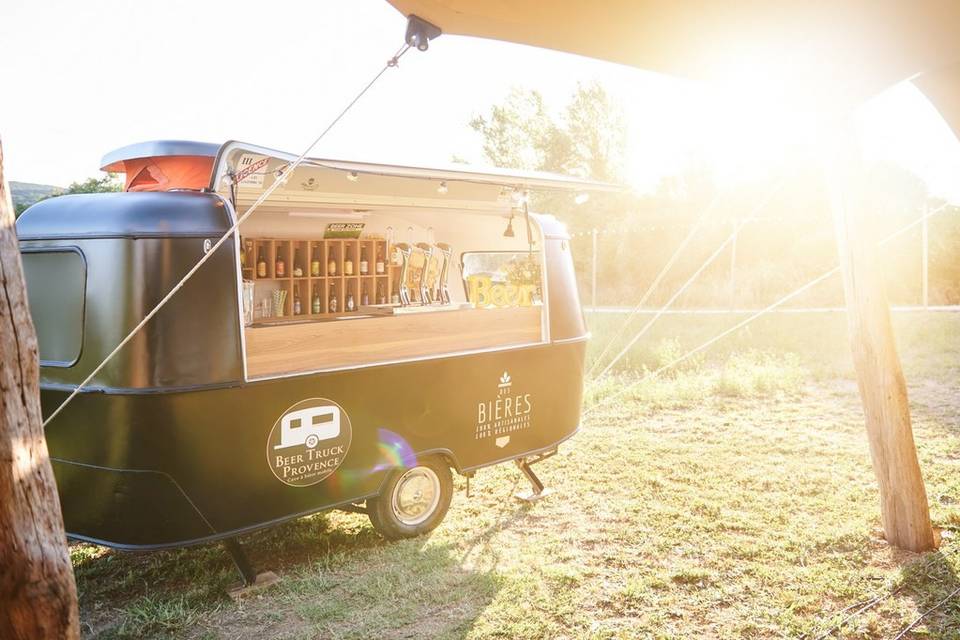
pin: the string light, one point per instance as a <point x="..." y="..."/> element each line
<point x="519" y="198"/>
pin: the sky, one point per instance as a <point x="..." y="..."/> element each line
<point x="84" y="77"/>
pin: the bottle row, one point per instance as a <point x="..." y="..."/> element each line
<point x="276" y="299"/>
<point x="277" y="259"/>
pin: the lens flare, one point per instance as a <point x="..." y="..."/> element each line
<point x="393" y="451"/>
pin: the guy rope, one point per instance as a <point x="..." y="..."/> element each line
<point x="413" y="38"/>
<point x="796" y="292"/>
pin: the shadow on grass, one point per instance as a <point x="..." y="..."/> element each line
<point x="408" y="589"/>
<point x="418" y="588"/>
<point x="929" y="582"/>
<point x="344" y="582"/>
<point x="154" y="594"/>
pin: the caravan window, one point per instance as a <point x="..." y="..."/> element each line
<point x="502" y="278"/>
<point x="56" y="290"/>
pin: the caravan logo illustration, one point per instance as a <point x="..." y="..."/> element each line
<point x="509" y="412"/>
<point x="308" y="442"/>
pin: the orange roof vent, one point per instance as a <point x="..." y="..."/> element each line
<point x="163" y="165"/>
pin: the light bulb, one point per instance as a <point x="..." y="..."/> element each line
<point x="581" y="197"/>
<point x="519" y="198"/>
<point x="353" y="176"/>
<point x="508" y="233"/>
<point x="442" y="189"/>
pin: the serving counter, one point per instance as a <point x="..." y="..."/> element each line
<point x="350" y="340"/>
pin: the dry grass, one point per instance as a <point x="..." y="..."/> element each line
<point x="732" y="499"/>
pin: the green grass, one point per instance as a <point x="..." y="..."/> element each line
<point x="732" y="498"/>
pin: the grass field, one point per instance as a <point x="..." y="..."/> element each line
<point x="732" y="498"/>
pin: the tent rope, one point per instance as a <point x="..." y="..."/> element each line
<point x="923" y="615"/>
<point x="737" y="228"/>
<point x="280" y="180"/>
<point x="689" y="354"/>
<point x="656" y="281"/>
<point x="697" y="225"/>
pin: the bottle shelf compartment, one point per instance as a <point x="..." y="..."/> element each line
<point x="324" y="275"/>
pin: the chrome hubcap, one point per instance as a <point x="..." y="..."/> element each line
<point x="416" y="495"/>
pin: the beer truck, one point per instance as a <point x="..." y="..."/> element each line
<point x="366" y="330"/>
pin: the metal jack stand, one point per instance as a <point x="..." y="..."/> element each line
<point x="252" y="581"/>
<point x="538" y="491"/>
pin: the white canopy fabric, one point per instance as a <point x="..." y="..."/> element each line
<point x="823" y="54"/>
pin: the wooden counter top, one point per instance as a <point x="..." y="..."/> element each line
<point x="311" y="346"/>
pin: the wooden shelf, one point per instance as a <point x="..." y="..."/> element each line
<point x="332" y="256"/>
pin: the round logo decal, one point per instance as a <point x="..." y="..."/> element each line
<point x="308" y="442"/>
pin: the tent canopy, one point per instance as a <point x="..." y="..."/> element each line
<point x="826" y="55"/>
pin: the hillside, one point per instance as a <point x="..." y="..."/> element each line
<point x="26" y="193"/>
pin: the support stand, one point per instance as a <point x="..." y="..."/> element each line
<point x="353" y="508"/>
<point x="538" y="490"/>
<point x="252" y="581"/>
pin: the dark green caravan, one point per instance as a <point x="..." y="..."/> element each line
<point x="227" y="413"/>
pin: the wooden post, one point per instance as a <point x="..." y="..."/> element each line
<point x="925" y="265"/>
<point x="38" y="597"/>
<point x="883" y="391"/>
<point x="593" y="272"/>
<point x="733" y="265"/>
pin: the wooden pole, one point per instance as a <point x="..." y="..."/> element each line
<point x="593" y="272"/>
<point x="903" y="499"/>
<point x="733" y="265"/>
<point x="38" y="596"/>
<point x="925" y="265"/>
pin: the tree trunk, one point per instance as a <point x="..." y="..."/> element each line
<point x="38" y="597"/>
<point x="883" y="390"/>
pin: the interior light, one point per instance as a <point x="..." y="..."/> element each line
<point x="330" y="215"/>
<point x="442" y="189"/>
<point x="508" y="233"/>
<point x="353" y="176"/>
<point x="519" y="198"/>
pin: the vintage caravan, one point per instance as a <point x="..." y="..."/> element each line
<point x="366" y="330"/>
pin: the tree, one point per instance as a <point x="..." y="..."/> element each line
<point x="596" y="134"/>
<point x="520" y="134"/>
<point x="105" y="184"/>
<point x="585" y="138"/>
<point x="589" y="141"/>
<point x="38" y="596"/>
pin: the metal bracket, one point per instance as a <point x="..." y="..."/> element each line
<point x="240" y="559"/>
<point x="252" y="581"/>
<point x="353" y="508"/>
<point x="468" y="476"/>
<point x="538" y="491"/>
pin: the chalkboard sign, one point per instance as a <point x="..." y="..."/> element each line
<point x="343" y="230"/>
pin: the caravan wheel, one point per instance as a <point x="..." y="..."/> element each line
<point x="413" y="501"/>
